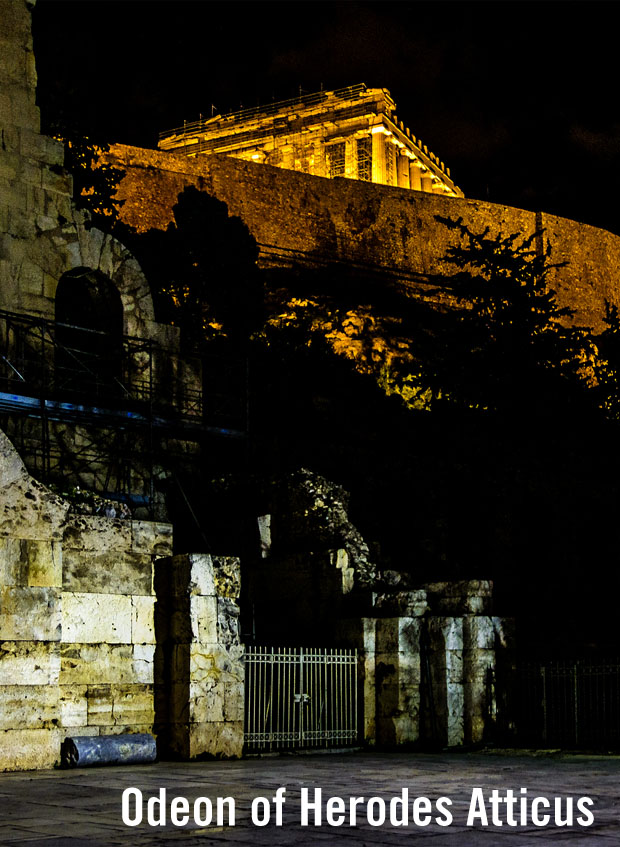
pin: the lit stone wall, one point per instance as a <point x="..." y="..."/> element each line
<point x="200" y="670"/>
<point x="77" y="636"/>
<point x="308" y="219"/>
<point x="429" y="677"/>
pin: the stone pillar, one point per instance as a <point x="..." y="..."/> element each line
<point x="378" y="157"/>
<point x="200" y="662"/>
<point x="402" y="169"/>
<point x="397" y="680"/>
<point x="360" y="634"/>
<point x="445" y="645"/>
<point x="415" y="176"/>
<point x="426" y="183"/>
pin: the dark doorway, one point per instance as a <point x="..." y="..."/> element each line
<point x="89" y="334"/>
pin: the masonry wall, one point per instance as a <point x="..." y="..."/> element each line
<point x="77" y="636"/>
<point x="296" y="216"/>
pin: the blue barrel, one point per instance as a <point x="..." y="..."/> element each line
<point x="129" y="749"/>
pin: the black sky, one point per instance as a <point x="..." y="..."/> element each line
<point x="519" y="99"/>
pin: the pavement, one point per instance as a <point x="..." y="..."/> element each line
<point x="69" y="808"/>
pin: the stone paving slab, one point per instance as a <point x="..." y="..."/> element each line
<point x="83" y="806"/>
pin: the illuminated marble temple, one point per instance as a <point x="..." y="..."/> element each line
<point x="350" y="132"/>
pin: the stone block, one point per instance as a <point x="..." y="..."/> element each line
<point x="44" y="561"/>
<point x="409" y="634"/>
<point x="42" y="148"/>
<point x="227" y="622"/>
<point x="123" y="572"/>
<point x="52" y="180"/>
<point x="466" y="597"/>
<point x="94" y="534"/>
<point x="195" y="620"/>
<point x="224" y="740"/>
<point x="29" y="749"/>
<point x="144" y="663"/>
<point x="120" y="704"/>
<point x="152" y="538"/>
<point x="387" y="635"/>
<point x="37" y="662"/>
<point x="193" y="574"/>
<point x="409" y="668"/>
<point x="204" y="702"/>
<point x="234" y="700"/>
<point x="72" y="706"/>
<point x="227" y="576"/>
<point x="478" y="632"/>
<point x="142" y="620"/>
<point x="402" y="603"/>
<point x="454" y="665"/>
<point x="97" y="664"/>
<point x="445" y="633"/>
<point x="30" y="614"/>
<point x="96" y="618"/>
<point x="28" y="706"/>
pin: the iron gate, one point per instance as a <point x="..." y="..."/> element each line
<point x="300" y="697"/>
<point x="572" y="702"/>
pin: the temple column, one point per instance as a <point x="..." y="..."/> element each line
<point x="378" y="157"/>
<point x="426" y="182"/>
<point x="415" y="176"/>
<point x="402" y="170"/>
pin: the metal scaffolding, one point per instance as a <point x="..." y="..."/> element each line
<point x="109" y="412"/>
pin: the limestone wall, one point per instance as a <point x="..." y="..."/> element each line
<point x="298" y="217"/>
<point x="77" y="636"/>
<point x="427" y="677"/>
<point x="199" y="663"/>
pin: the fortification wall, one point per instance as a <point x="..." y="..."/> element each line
<point x="297" y="216"/>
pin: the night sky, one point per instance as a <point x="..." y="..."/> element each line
<point x="519" y="99"/>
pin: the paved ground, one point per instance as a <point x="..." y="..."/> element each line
<point x="84" y="806"/>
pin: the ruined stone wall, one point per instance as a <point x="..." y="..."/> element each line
<point x="199" y="660"/>
<point x="294" y="216"/>
<point x="77" y="636"/>
<point x="428" y="665"/>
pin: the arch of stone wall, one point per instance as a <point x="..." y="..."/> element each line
<point x="74" y="245"/>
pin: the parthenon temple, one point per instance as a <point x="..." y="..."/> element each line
<point x="351" y="132"/>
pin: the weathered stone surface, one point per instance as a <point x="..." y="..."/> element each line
<point x="127" y="572"/>
<point x="224" y="740"/>
<point x="154" y="537"/>
<point x="468" y="597"/>
<point x="73" y="706"/>
<point x="405" y="603"/>
<point x="98" y="663"/>
<point x="227" y="577"/>
<point x="28" y="706"/>
<point x="94" y="534"/>
<point x="193" y="574"/>
<point x="28" y="749"/>
<point x="30" y="614"/>
<point x="142" y="620"/>
<point x="144" y="663"/>
<point x="120" y="704"/>
<point x="37" y="662"/>
<point x="29" y="562"/>
<point x="96" y="618"/>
